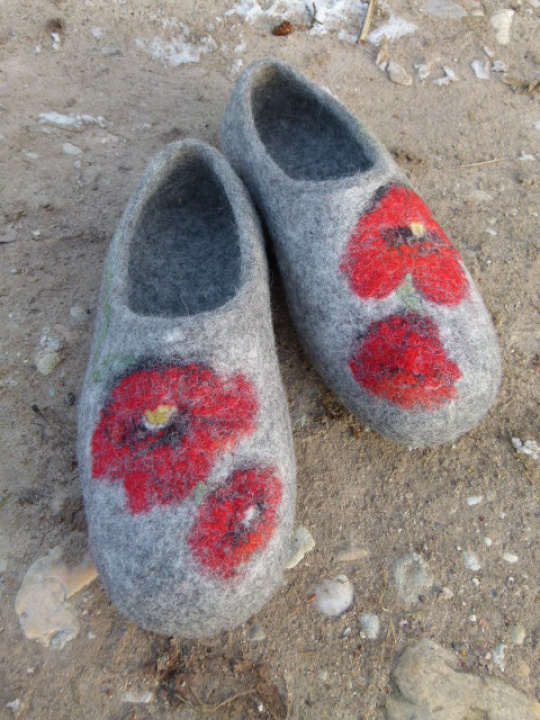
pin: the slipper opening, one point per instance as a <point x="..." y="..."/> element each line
<point x="185" y="252"/>
<point x="306" y="137"/>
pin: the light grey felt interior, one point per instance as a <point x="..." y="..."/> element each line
<point x="302" y="135"/>
<point x="185" y="255"/>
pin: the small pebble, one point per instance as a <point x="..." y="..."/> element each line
<point x="137" y="697"/>
<point x="371" y="625"/>
<point x="412" y="577"/>
<point x="423" y="71"/>
<point x="398" y="74"/>
<point x="499" y="66"/>
<point x="529" y="447"/>
<point x="302" y="542"/>
<point x="15" y="706"/>
<point x="481" y="69"/>
<point x="448" y="77"/>
<point x="333" y="597"/>
<point x="497" y="655"/>
<point x="79" y="314"/>
<point x="488" y="542"/>
<point x="350" y="553"/>
<point x="71" y="149"/>
<point x="256" y="634"/>
<point x="474" y="500"/>
<point x="471" y="561"/>
<point x="3" y="565"/>
<point x="323" y="676"/>
<point x="501" y="22"/>
<point x="46" y="362"/>
<point x="510" y="558"/>
<point x="446" y="593"/>
<point x="518" y="633"/>
<point x="96" y="33"/>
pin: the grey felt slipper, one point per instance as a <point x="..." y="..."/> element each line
<point x="380" y="297"/>
<point x="185" y="448"/>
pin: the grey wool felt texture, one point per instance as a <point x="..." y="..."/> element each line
<point x="185" y="446"/>
<point x="381" y="300"/>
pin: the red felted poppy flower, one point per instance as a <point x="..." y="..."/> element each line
<point x="163" y="428"/>
<point x="401" y="359"/>
<point x="236" y="520"/>
<point x="399" y="236"/>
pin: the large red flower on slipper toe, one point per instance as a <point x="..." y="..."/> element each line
<point x="236" y="520"/>
<point x="399" y="236"/>
<point x="163" y="428"/>
<point x="401" y="359"/>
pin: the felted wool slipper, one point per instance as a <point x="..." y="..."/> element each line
<point x="185" y="446"/>
<point x="380" y="297"/>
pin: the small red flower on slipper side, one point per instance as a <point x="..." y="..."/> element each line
<point x="400" y="236"/>
<point x="236" y="520"/>
<point x="163" y="428"/>
<point x="401" y="359"/>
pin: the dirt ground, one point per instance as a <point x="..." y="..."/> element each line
<point x="472" y="150"/>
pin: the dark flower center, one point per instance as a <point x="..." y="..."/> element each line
<point x="414" y="236"/>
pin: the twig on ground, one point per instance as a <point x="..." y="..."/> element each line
<point x="367" y="22"/>
<point x="483" y="162"/>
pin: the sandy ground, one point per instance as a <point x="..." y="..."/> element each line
<point x="59" y="211"/>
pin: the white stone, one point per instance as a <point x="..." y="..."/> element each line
<point x="15" y="706"/>
<point x="371" y="625"/>
<point x="510" y="558"/>
<point x="475" y="500"/>
<point x="471" y="561"/>
<point x="428" y="684"/>
<point x="412" y="577"/>
<point x="449" y="77"/>
<point x="333" y="597"/>
<point x="302" y="542"/>
<point x="481" y="69"/>
<point x="398" y="74"/>
<point x="423" y="71"/>
<point x="41" y="604"/>
<point x="518" y="634"/>
<point x="497" y="655"/>
<point x="138" y="697"/>
<point x="350" y="553"/>
<point x="46" y="362"/>
<point x="501" y="22"/>
<point x="71" y="149"/>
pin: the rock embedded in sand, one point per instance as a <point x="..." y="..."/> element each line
<point x="430" y="686"/>
<point x="501" y="22"/>
<point x="398" y="74"/>
<point x="412" y="577"/>
<point x="302" y="542"/>
<point x="41" y="604"/>
<point x="370" y="625"/>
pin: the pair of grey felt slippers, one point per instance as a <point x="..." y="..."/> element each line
<point x="185" y="445"/>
